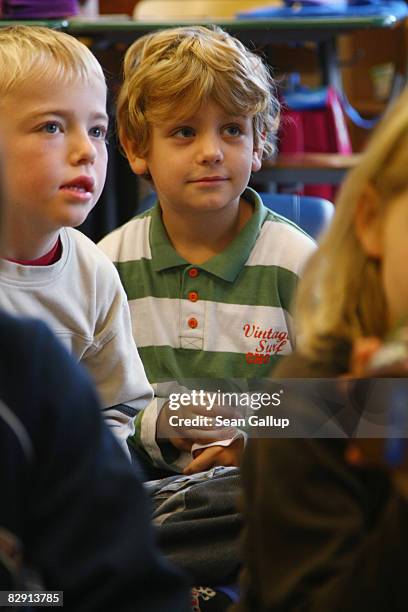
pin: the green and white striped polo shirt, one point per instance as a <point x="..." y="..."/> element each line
<point x="228" y="317"/>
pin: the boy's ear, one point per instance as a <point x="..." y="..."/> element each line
<point x="256" y="160"/>
<point x="368" y="222"/>
<point x="257" y="154"/>
<point x="137" y="163"/>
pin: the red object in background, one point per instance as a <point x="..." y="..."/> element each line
<point x="117" y="6"/>
<point x="315" y="130"/>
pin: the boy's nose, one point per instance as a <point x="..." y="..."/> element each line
<point x="210" y="151"/>
<point x="82" y="151"/>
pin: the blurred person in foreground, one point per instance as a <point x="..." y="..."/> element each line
<point x="327" y="520"/>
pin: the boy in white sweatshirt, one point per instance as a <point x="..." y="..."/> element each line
<point x="53" y="126"/>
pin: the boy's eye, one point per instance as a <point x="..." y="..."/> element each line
<point x="98" y="131"/>
<point x="51" y="127"/>
<point x="184" y="132"/>
<point x="233" y="130"/>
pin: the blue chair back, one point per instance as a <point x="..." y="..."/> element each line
<point x="311" y="214"/>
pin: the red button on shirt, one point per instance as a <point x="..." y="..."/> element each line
<point x="193" y="272"/>
<point x="193" y="296"/>
<point x="192" y="323"/>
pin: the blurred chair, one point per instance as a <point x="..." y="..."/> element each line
<point x="310" y="213"/>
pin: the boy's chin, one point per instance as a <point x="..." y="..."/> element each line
<point x="214" y="201"/>
<point x="218" y="205"/>
<point x="76" y="218"/>
<point x="75" y="223"/>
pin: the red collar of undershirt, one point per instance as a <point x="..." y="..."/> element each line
<point x="45" y="260"/>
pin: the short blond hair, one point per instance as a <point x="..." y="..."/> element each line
<point x="33" y="53"/>
<point x="171" y="72"/>
<point x="341" y="295"/>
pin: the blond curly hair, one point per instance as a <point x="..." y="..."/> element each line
<point x="171" y="72"/>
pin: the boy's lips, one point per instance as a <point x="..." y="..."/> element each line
<point x="209" y="179"/>
<point x="82" y="184"/>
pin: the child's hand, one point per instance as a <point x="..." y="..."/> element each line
<point x="174" y="425"/>
<point x="213" y="456"/>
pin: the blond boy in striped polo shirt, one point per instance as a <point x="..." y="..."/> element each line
<point x="209" y="272"/>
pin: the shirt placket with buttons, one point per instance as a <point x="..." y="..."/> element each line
<point x="192" y="319"/>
